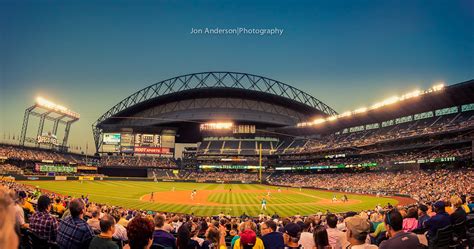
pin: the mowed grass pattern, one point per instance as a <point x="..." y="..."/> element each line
<point x="289" y="202"/>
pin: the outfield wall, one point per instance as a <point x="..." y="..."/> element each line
<point x="112" y="178"/>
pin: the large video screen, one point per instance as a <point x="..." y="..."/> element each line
<point x="111" y="138"/>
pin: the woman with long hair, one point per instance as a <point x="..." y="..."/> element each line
<point x="321" y="239"/>
<point x="215" y="239"/>
<point x="184" y="235"/>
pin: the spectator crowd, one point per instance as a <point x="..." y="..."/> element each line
<point x="77" y="222"/>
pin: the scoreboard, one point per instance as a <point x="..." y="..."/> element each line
<point x="138" y="143"/>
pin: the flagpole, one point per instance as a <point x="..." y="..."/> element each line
<point x="86" y="153"/>
<point x="260" y="163"/>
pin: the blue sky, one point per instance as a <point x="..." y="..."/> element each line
<point x="88" y="55"/>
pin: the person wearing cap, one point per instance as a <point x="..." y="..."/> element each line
<point x="438" y="221"/>
<point x="397" y="237"/>
<point x="42" y="223"/>
<point x="291" y="235"/>
<point x="270" y="237"/>
<point x="248" y="240"/>
<point x="357" y="230"/>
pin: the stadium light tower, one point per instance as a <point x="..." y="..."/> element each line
<point x="47" y="110"/>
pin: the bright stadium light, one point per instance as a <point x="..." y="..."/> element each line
<point x="390" y="101"/>
<point x="319" y="121"/>
<point x="331" y="118"/>
<point x="217" y="126"/>
<point x="40" y="101"/>
<point x="438" y="87"/>
<point x="413" y="94"/>
<point x="360" y="110"/>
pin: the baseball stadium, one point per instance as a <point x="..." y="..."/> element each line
<point x="229" y="144"/>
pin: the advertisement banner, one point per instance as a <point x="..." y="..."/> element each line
<point x="60" y="178"/>
<point x="167" y="141"/>
<point x="54" y="168"/>
<point x="86" y="178"/>
<point x="7" y="178"/>
<point x="127" y="149"/>
<point x="126" y="139"/>
<point x="151" y="150"/>
<point x="86" y="168"/>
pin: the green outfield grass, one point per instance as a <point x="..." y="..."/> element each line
<point x="242" y="199"/>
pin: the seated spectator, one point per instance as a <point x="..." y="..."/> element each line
<point x="73" y="231"/>
<point x="19" y="213"/>
<point x="397" y="237"/>
<point x="120" y="231"/>
<point x="306" y="238"/>
<point x="140" y="233"/>
<point x="248" y="240"/>
<point x="94" y="222"/>
<point x="27" y="205"/>
<point x="42" y="223"/>
<point x="58" y="207"/>
<point x="410" y="221"/>
<point x="438" y="221"/>
<point x="321" y="239"/>
<point x="459" y="214"/>
<point x="471" y="204"/>
<point x="160" y="236"/>
<point x="214" y="240"/>
<point x="422" y="216"/>
<point x="270" y="237"/>
<point x="123" y="219"/>
<point x="336" y="238"/>
<point x="291" y="235"/>
<point x="379" y="234"/>
<point x="104" y="239"/>
<point x="8" y="237"/>
<point x="184" y="240"/>
<point x="357" y="231"/>
<point x="240" y="228"/>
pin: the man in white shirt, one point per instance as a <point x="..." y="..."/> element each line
<point x="336" y="237"/>
<point x="19" y="213"/>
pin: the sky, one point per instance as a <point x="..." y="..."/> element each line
<point x="89" y="55"/>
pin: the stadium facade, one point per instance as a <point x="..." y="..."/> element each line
<point x="229" y="120"/>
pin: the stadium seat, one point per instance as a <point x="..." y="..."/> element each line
<point x="158" y="246"/>
<point x="443" y="239"/>
<point x="460" y="237"/>
<point x="35" y="242"/>
<point x="470" y="232"/>
<point x="119" y="242"/>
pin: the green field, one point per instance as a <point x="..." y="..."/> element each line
<point x="243" y="198"/>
